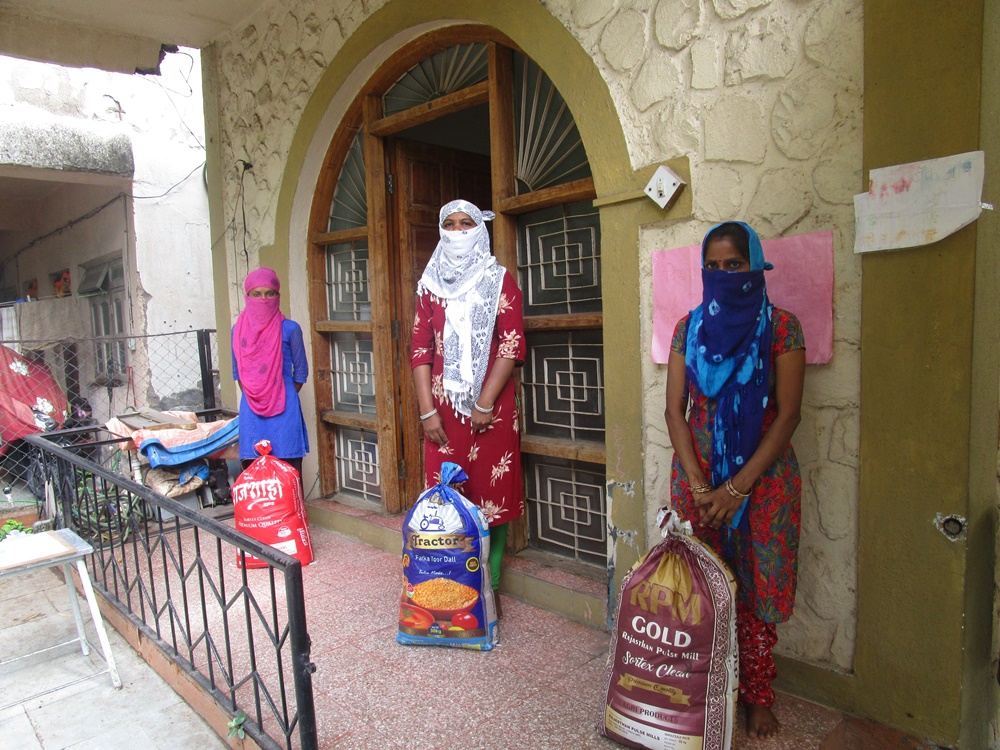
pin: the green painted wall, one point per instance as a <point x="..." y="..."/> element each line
<point x="929" y="409"/>
<point x="980" y="663"/>
<point x="922" y="93"/>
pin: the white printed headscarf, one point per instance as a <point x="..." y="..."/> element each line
<point x="465" y="276"/>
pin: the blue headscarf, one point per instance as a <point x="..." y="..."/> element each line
<point x="728" y="357"/>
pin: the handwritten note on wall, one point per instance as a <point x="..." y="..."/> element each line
<point x="919" y="203"/>
<point x="801" y="282"/>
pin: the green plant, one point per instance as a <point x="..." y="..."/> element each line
<point x="236" y="725"/>
<point x="12" y="525"/>
<point x="100" y="510"/>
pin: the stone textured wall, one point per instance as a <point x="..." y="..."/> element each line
<point x="268" y="70"/>
<point x="764" y="97"/>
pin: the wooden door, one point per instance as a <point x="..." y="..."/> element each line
<point x="375" y="218"/>
<point x="424" y="178"/>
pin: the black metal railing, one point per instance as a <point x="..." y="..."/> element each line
<point x="180" y="577"/>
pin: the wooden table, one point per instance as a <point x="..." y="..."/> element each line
<point x="62" y="548"/>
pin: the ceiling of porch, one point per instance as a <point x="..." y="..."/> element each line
<point x="112" y="35"/>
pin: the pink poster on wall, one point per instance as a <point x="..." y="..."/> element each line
<point x="801" y="282"/>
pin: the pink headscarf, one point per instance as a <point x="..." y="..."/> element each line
<point x="257" y="346"/>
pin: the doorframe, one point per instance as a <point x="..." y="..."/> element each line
<point x="367" y="115"/>
<point x="397" y="446"/>
<point x="530" y="27"/>
<point x="365" y="112"/>
<point x="401" y="153"/>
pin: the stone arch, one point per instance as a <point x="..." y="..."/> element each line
<point x="543" y="38"/>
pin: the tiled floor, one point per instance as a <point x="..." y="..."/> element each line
<point x="539" y="688"/>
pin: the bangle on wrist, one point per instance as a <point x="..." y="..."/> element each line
<point x="428" y="415"/>
<point x="702" y="489"/>
<point x="735" y="492"/>
<point x="481" y="409"/>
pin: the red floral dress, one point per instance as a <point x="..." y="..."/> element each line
<point x="491" y="459"/>
<point x="764" y="563"/>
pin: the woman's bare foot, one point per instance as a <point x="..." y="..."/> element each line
<point x="762" y="724"/>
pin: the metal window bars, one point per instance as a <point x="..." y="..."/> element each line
<point x="442" y="73"/>
<point x="567" y="508"/>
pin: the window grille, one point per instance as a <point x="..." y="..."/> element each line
<point x="357" y="464"/>
<point x="567" y="508"/>
<point x="559" y="260"/>
<point x="563" y="385"/>
<point x="559" y="264"/>
<point x="349" y="209"/>
<point x="549" y="147"/>
<point x="352" y="364"/>
<point x="347" y="281"/>
<point x="104" y="283"/>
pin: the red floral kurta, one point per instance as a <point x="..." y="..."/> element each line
<point x="765" y="564"/>
<point x="492" y="459"/>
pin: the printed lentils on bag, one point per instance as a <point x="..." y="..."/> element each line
<point x="447" y="597"/>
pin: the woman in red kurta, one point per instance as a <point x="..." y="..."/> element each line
<point x="734" y="393"/>
<point x="468" y="336"/>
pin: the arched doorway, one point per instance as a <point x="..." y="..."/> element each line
<point x="461" y="112"/>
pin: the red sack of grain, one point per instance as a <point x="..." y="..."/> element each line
<point x="672" y="669"/>
<point x="268" y="506"/>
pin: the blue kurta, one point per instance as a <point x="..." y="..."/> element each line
<point x="287" y="430"/>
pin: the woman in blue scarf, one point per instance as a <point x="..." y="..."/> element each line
<point x="738" y="362"/>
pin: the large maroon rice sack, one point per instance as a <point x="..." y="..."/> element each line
<point x="672" y="670"/>
<point x="268" y="506"/>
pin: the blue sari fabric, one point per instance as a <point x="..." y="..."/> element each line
<point x="727" y="356"/>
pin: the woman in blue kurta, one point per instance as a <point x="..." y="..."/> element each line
<point x="269" y="365"/>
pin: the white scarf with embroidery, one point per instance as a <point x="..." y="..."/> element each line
<point x="463" y="274"/>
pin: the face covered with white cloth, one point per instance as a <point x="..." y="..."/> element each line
<point x="463" y="274"/>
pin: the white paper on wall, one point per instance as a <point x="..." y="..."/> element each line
<point x="919" y="203"/>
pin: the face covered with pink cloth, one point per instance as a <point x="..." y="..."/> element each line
<point x="257" y="344"/>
